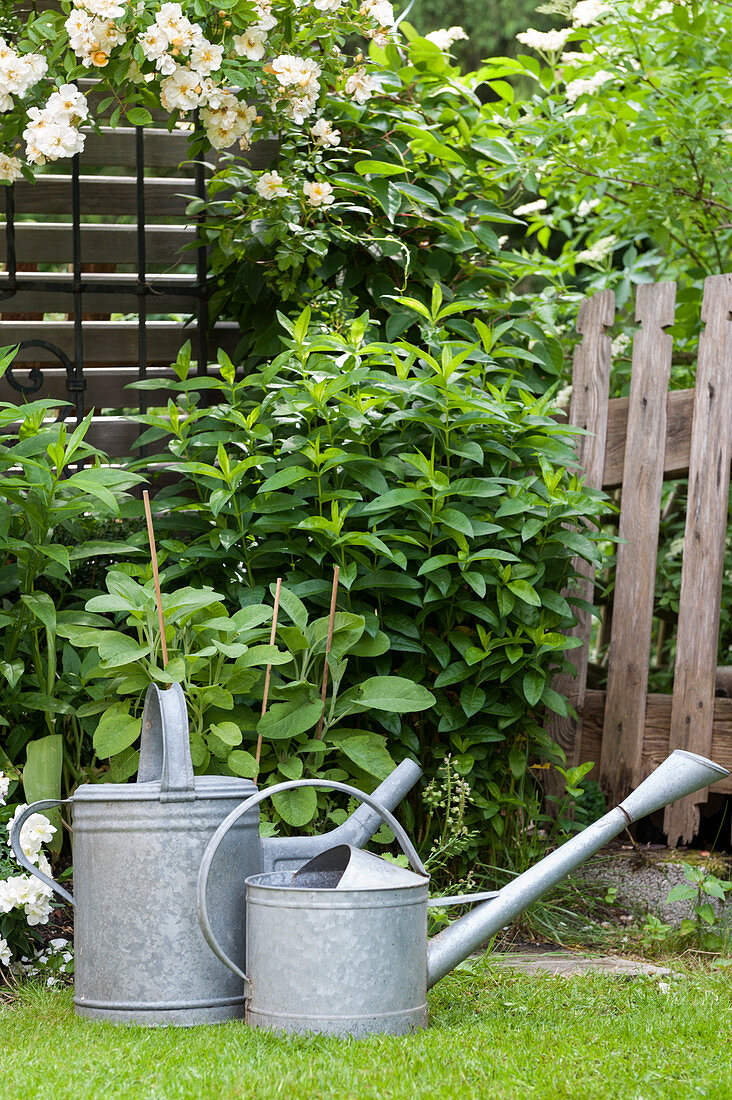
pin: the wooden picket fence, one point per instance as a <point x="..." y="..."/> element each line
<point x="634" y="443"/>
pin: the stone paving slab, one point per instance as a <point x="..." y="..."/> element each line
<point x="569" y="963"/>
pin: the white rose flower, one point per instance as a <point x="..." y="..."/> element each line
<point x="206" y="58"/>
<point x="380" y="11"/>
<point x="178" y="92"/>
<point x="102" y="9"/>
<point x="327" y="5"/>
<point x="324" y="133"/>
<point x="298" y="72"/>
<point x="251" y="44"/>
<point x="154" y="42"/>
<point x="318" y="193"/>
<point x="5" y="953"/>
<point x="300" y="107"/>
<point x="266" y="20"/>
<point x="445" y="37"/>
<point x="360" y="85"/>
<point x="4" y="780"/>
<point x="270" y="185"/>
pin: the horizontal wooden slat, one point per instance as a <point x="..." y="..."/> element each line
<point x="111" y="342"/>
<point x="50" y="242"/>
<point x="124" y="300"/>
<point x="105" y="195"/>
<point x="679" y="405"/>
<point x="163" y="150"/>
<point x="656" y="733"/>
<point x="118" y="148"/>
<point x="106" y="387"/>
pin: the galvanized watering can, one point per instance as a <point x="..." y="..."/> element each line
<point x="139" y="953"/>
<point x="340" y="946"/>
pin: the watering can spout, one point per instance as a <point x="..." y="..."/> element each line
<point x="289" y="853"/>
<point x="681" y="774"/>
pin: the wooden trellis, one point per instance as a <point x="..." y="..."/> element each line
<point x="635" y="443"/>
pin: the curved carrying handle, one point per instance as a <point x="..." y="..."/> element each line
<point x="25" y="863"/>
<point x="213" y="846"/>
<point x="165" y="749"/>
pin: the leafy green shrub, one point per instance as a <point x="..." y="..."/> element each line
<point x="220" y="662"/>
<point x="54" y="487"/>
<point x="438" y="486"/>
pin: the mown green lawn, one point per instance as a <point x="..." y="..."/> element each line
<point x="493" y="1034"/>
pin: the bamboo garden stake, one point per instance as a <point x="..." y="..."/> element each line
<point x="156" y="578"/>
<point x="268" y="673"/>
<point x="331" y="619"/>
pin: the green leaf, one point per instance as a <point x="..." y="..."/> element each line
<point x="297" y="807"/>
<point x="379" y="168"/>
<point x="394" y="693"/>
<point x="119" y="649"/>
<point x="138" y="116"/>
<point x="43" y="608"/>
<point x="517" y="761"/>
<point x="12" y="671"/>
<point x="394" y="498"/>
<point x="472" y="699"/>
<point x="227" y="732"/>
<point x="292" y="768"/>
<point x="681" y="893"/>
<point x="368" y="751"/>
<point x="117" y="730"/>
<point x="525" y="592"/>
<point x="294" y="607"/>
<point x="243" y="763"/>
<point x="533" y="684"/>
<point x="289" y="476"/>
<point x="42" y="778"/>
<point x="285" y="720"/>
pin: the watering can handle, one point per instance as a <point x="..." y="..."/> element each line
<point x="165" y="749"/>
<point x="25" y="863"/>
<point x="213" y="845"/>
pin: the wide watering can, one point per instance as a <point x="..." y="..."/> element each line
<point x="340" y="946"/>
<point x="139" y="953"/>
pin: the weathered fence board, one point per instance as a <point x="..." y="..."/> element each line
<point x="649" y="436"/>
<point x="635" y="570"/>
<point x="704" y="540"/>
<point x="109" y="342"/>
<point x="51" y="243"/>
<point x="588" y="410"/>
<point x="106" y="196"/>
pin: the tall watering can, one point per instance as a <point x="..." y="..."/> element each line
<point x="340" y="946"/>
<point x="140" y="956"/>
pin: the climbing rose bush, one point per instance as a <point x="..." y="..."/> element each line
<point x="249" y="69"/>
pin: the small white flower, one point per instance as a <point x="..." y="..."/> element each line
<point x="586" y="207"/>
<point x="5" y="953"/>
<point x="621" y="343"/>
<point x="318" y="193"/>
<point x="327" y="5"/>
<point x="206" y="58"/>
<point x="180" y="91"/>
<point x="270" y="185"/>
<point x="445" y="37"/>
<point x="380" y="11"/>
<point x="546" y="41"/>
<point x="531" y="207"/>
<point x="266" y="20"/>
<point x="7" y="167"/>
<point x="360" y="85"/>
<point x="324" y="133"/>
<point x="300" y="72"/>
<point x="37" y="830"/>
<point x="586" y="12"/>
<point x="251" y="44"/>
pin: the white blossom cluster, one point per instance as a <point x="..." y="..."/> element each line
<point x="587" y="12"/>
<point x="382" y="14"/>
<point x="546" y="41"/>
<point x="576" y="88"/>
<point x="18" y="73"/>
<point x="25" y="891"/>
<point x="4" y="787"/>
<point x="445" y="37"/>
<point x="597" y="252"/>
<point x="53" y="131"/>
<point x="5" y="955"/>
<point x="531" y="207"/>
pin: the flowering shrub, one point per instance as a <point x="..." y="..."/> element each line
<point x="25" y="902"/>
<point x="235" y="65"/>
